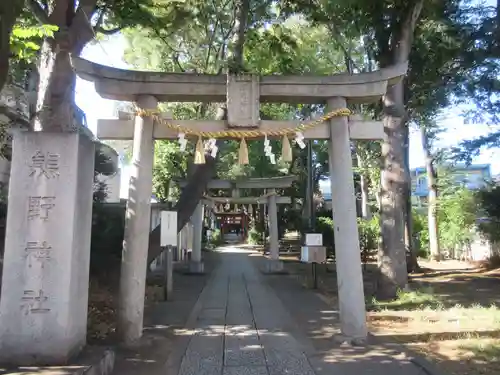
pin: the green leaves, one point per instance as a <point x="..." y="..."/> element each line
<point x="25" y="40"/>
<point x="27" y="32"/>
<point x="169" y="164"/>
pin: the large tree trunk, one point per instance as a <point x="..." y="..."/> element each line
<point x="56" y="77"/>
<point x="392" y="253"/>
<point x="432" y="197"/>
<point x="196" y="186"/>
<point x="9" y="11"/>
<point x="56" y="90"/>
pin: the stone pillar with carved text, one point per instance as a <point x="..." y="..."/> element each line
<point x="43" y="306"/>
<point x="274" y="264"/>
<point x="196" y="265"/>
<point x="137" y="227"/>
<point x="348" y="254"/>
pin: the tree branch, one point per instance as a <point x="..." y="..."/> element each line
<point x="107" y="31"/>
<point x="175" y="57"/>
<point x="38" y="12"/>
<point x="14" y="117"/>
<point x="406" y="32"/>
<point x="347" y="56"/>
<point x="100" y="19"/>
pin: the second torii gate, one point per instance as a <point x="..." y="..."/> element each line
<point x="269" y="184"/>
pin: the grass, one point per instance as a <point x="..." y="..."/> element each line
<point x="449" y="315"/>
<point x="409" y="300"/>
<point x="485" y="351"/>
<point x="464" y="340"/>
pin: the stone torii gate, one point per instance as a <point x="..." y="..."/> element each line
<point x="269" y="198"/>
<point x="243" y="95"/>
<point x="45" y="278"/>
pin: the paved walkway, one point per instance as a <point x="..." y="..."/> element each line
<point x="240" y="327"/>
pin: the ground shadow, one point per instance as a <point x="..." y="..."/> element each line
<point x="164" y="323"/>
<point x="448" y="288"/>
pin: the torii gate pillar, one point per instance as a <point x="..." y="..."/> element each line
<point x="274" y="264"/>
<point x="196" y="265"/>
<point x="348" y="255"/>
<point x="137" y="227"/>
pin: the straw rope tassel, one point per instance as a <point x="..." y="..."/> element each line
<point x="243" y="153"/>
<point x="286" y="150"/>
<point x="199" y="153"/>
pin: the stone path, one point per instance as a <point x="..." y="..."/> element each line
<point x="240" y="327"/>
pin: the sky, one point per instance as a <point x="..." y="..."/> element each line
<point x="110" y="52"/>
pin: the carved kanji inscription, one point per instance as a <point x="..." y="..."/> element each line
<point x="39" y="207"/>
<point x="34" y="302"/>
<point x="45" y="164"/>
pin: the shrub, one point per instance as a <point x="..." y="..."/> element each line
<point x="369" y="231"/>
<point x="215" y="238"/>
<point x="108" y="223"/>
<point x="421" y="234"/>
<point x="290" y="219"/>
<point x="324" y="225"/>
<point x="489" y="204"/>
<point x="254" y="236"/>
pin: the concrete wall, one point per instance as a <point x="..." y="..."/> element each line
<point x="482" y="249"/>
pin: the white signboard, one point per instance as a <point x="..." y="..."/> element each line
<point x="313" y="254"/>
<point x="168" y="222"/>
<point x="314" y="239"/>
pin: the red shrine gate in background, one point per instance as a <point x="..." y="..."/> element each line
<point x="229" y="221"/>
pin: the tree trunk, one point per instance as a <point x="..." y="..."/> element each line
<point x="392" y="253"/>
<point x="411" y="259"/>
<point x="363" y="182"/>
<point x="365" y="202"/>
<point x="393" y="273"/>
<point x="56" y="77"/>
<point x="432" y="197"/>
<point x="198" y="179"/>
<point x="235" y="63"/>
<point x="9" y="11"/>
<point x="56" y="90"/>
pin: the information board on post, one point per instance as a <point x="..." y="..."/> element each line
<point x="168" y="234"/>
<point x="314" y="239"/>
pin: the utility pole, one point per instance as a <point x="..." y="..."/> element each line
<point x="310" y="186"/>
<point x="310" y="203"/>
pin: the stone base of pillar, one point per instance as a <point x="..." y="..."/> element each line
<point x="274" y="266"/>
<point x="196" y="267"/>
<point x="43" y="309"/>
<point x="350" y="341"/>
